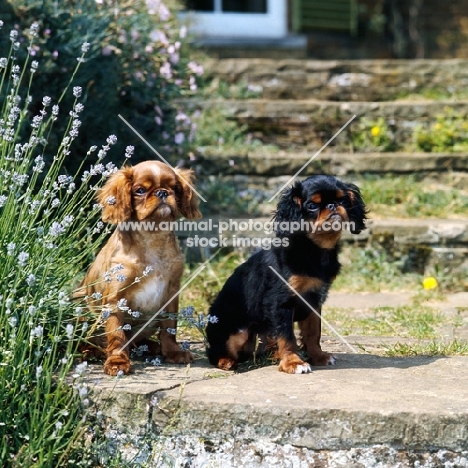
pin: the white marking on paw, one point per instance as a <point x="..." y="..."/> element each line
<point x="303" y="369"/>
<point x="332" y="360"/>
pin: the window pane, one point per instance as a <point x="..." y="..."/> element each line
<point x="245" y="6"/>
<point x="199" y="5"/>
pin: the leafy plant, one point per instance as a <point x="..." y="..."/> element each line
<point x="370" y="135"/>
<point x="137" y="66"/>
<point x="448" y="133"/>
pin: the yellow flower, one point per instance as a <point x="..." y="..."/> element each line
<point x="430" y="283"/>
<point x="375" y="131"/>
<point x="437" y="126"/>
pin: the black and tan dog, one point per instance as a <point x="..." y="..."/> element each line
<point x="256" y="301"/>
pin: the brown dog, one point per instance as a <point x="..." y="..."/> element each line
<point x="140" y="267"/>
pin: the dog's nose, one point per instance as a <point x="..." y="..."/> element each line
<point x="331" y="207"/>
<point x="162" y="193"/>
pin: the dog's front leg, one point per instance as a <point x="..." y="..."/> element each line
<point x="290" y="362"/>
<point x="117" y="359"/>
<point x="311" y="329"/>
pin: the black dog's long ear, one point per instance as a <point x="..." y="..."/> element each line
<point x="357" y="209"/>
<point x="289" y="209"/>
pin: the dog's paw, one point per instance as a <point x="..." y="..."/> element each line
<point x="226" y="364"/>
<point x="323" y="359"/>
<point x="293" y="364"/>
<point x="116" y="363"/>
<point x="178" y="357"/>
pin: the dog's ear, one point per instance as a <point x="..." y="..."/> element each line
<point x="356" y="209"/>
<point x="289" y="209"/>
<point x="187" y="202"/>
<point x="116" y="197"/>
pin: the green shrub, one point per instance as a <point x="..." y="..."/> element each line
<point x="137" y="66"/>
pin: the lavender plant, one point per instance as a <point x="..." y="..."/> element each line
<point x="45" y="234"/>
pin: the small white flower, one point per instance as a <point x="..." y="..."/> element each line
<point x="105" y="314"/>
<point x="85" y="47"/>
<point x="127" y="327"/>
<point x="120" y="278"/>
<point x="38" y="371"/>
<point x="111" y="200"/>
<point x="23" y="258"/>
<point x="212" y="319"/>
<point x="112" y="140"/>
<point x="147" y="270"/>
<point x="56" y="229"/>
<point x="122" y="304"/>
<point x="171" y="331"/>
<point x="156" y="362"/>
<point x="69" y="331"/>
<point x="77" y="90"/>
<point x="80" y="368"/>
<point x="34" y="29"/>
<point x="129" y="151"/>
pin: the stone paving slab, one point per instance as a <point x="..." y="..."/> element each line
<point x="407" y="403"/>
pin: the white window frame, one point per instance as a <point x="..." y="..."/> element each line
<point x="272" y="24"/>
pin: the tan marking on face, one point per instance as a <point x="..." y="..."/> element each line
<point x="297" y="201"/>
<point x="316" y="198"/>
<point x="302" y="283"/>
<point x="339" y="194"/>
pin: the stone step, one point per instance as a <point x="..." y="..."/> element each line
<point x="311" y="123"/>
<point x="341" y="80"/>
<point x="277" y="164"/>
<point x="424" y="246"/>
<point x="398" y="404"/>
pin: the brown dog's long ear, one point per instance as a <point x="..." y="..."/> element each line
<point x="187" y="202"/>
<point x="116" y="197"/>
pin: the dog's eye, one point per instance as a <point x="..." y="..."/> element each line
<point x="140" y="191"/>
<point x="312" y="207"/>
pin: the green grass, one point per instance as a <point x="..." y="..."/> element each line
<point x="411" y="197"/>
<point x="432" y="94"/>
<point x="410" y="321"/>
<point x="434" y="348"/>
